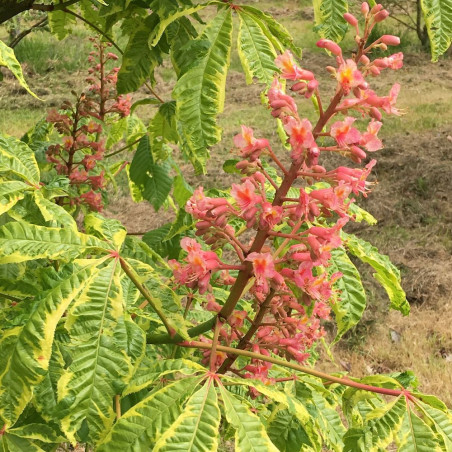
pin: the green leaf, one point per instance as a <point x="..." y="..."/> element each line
<point x="37" y="432"/>
<point x="351" y="301"/>
<point x="286" y="432"/>
<point x="382" y="424"/>
<point x="25" y="350"/>
<point x="10" y="193"/>
<point x="139" y="60"/>
<point x="361" y="215"/>
<point x="438" y="20"/>
<point x="150" y="369"/>
<point x="182" y="190"/>
<point x="53" y="212"/>
<point x="141" y="426"/>
<point x="183" y="223"/>
<point x="386" y="273"/>
<point x="200" y="91"/>
<point x="329" y="18"/>
<point x="292" y="404"/>
<point x="98" y="365"/>
<point x="163" y="130"/>
<point x="151" y="179"/>
<point x="9" y="60"/>
<point x="250" y="434"/>
<point x="168" y="13"/>
<point x="60" y="23"/>
<point x="256" y="51"/>
<point x="109" y="229"/>
<point x="441" y="422"/>
<point x="156" y="239"/>
<point x="276" y="32"/>
<point x="21" y="242"/>
<point x="416" y="435"/>
<point x="197" y="428"/>
<point x="16" y="157"/>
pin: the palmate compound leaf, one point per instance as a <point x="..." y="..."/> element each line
<point x="9" y="60"/>
<point x="199" y="93"/>
<point x="379" y="430"/>
<point x="197" y="428"/>
<point x="141" y="426"/>
<point x="20" y="242"/>
<point x="54" y="213"/>
<point x="256" y="51"/>
<point x="438" y="20"/>
<point x="329" y="18"/>
<point x="100" y="369"/>
<point x="292" y="404"/>
<point x="250" y="433"/>
<point x="386" y="274"/>
<point x="350" y="303"/>
<point x="25" y="350"/>
<point x="17" y="158"/>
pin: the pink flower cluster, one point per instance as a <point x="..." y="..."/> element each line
<point x="287" y="265"/>
<point x="81" y="125"/>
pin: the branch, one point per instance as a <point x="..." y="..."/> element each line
<point x="125" y="147"/>
<point x="95" y="27"/>
<point x="250" y="333"/>
<point x="24" y="33"/>
<point x="307" y="370"/>
<point x="403" y="23"/>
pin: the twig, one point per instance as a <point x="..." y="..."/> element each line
<point x="24" y="33"/>
<point x="50" y="8"/>
<point x="125" y="147"/>
<point x="118" y="406"/>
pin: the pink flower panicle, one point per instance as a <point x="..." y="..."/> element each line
<point x="81" y="126"/>
<point x="288" y="265"/>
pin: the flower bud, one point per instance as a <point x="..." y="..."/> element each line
<point x="364" y="60"/>
<point x="331" y="70"/>
<point x="390" y="40"/>
<point x="378" y="7"/>
<point x="375" y="113"/>
<point x="365" y="8"/>
<point x="298" y="86"/>
<point x="381" y="16"/>
<point x="357" y="152"/>
<point x="374" y="71"/>
<point x="312" y="85"/>
<point x="330" y="45"/>
<point x="351" y="19"/>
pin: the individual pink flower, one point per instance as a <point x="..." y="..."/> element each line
<point x="395" y="61"/>
<point x="349" y="76"/>
<point x="390" y="101"/>
<point x="97" y="182"/>
<point x="270" y="216"/>
<point x="78" y="177"/>
<point x="300" y="135"/>
<point x="68" y="142"/>
<point x="289" y="69"/>
<point x="344" y="133"/>
<point x="94" y="200"/>
<point x="264" y="269"/>
<point x="245" y="196"/>
<point x="249" y="145"/>
<point x="333" y="198"/>
<point x="354" y="177"/>
<point x="369" y="139"/>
